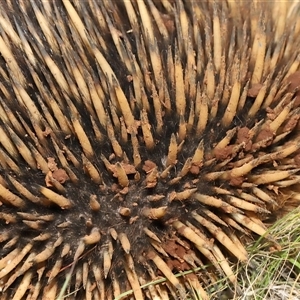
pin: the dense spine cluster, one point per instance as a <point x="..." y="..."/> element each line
<point x="140" y="139"/>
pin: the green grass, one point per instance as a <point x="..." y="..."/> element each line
<point x="272" y="274"/>
<point x="277" y="273"/>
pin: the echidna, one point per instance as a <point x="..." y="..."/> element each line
<point x="141" y="139"/>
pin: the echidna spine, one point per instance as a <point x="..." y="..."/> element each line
<point x="140" y="139"/>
